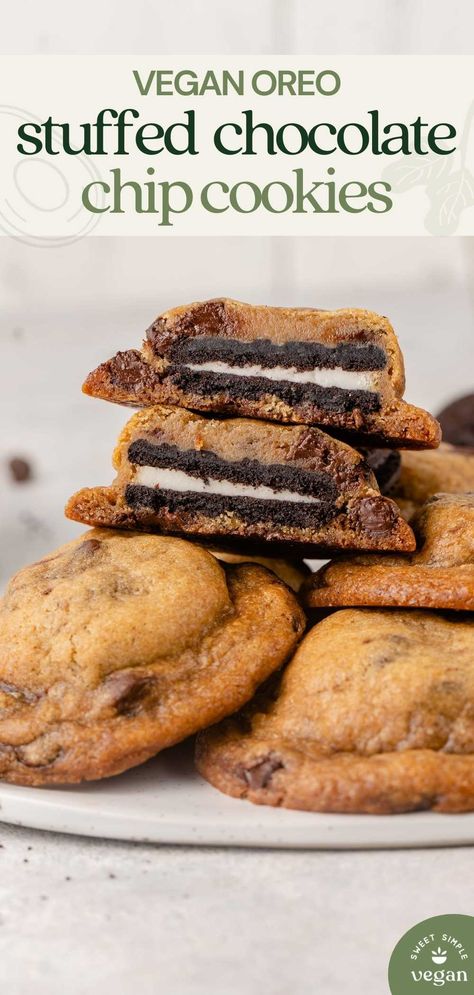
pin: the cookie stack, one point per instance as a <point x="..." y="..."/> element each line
<point x="271" y="475"/>
<point x="259" y="436"/>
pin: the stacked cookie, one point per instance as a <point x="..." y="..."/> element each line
<point x="185" y="464"/>
<point x="259" y="436"/>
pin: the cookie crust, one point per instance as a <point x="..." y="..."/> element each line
<point x="116" y="646"/>
<point x="375" y="714"/>
<point x="440" y="574"/>
<point x="293" y="573"/>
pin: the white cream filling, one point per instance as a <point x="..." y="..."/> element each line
<point x="346" y="379"/>
<point x="178" y="480"/>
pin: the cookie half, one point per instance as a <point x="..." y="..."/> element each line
<point x="339" y="369"/>
<point x="237" y="479"/>
<point x="439" y="575"/>
<point x="119" y="645"/>
<point x="374" y="714"/>
<point x="447" y="470"/>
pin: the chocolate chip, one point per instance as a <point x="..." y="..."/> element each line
<point x="18" y="693"/>
<point x="209" y="317"/>
<point x="128" y="368"/>
<point x="126" y="692"/>
<point x="90" y="546"/>
<point x="20" y="470"/>
<point x="84" y="553"/>
<point x="261" y="773"/>
<point x="376" y="515"/>
<point x="296" y="624"/>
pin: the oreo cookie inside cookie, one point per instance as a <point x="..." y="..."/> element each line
<point x="201" y="482"/>
<point x="339" y="379"/>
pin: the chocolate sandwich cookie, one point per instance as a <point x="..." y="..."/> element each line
<point x="439" y="575"/>
<point x="374" y="714"/>
<point x="447" y="470"/>
<point x="235" y="478"/>
<point x="339" y="369"/>
<point x="119" y="645"/>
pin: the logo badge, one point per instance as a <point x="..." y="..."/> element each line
<point x="436" y="953"/>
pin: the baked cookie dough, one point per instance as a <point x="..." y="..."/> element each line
<point x="291" y="572"/>
<point x="439" y="575"/>
<point x="339" y="369"/>
<point x="217" y="479"/>
<point x="118" y="645"/>
<point x="447" y="470"/>
<point x="374" y="714"/>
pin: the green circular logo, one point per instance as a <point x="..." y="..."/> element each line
<point x="436" y="953"/>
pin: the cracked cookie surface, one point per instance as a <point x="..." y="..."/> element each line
<point x="118" y="645"/>
<point x="374" y="714"/>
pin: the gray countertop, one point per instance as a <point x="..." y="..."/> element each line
<point x="77" y="915"/>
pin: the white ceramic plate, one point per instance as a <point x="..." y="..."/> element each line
<point x="165" y="801"/>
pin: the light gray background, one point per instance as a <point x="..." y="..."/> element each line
<point x="184" y="921"/>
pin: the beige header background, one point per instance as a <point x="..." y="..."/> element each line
<point x="40" y="195"/>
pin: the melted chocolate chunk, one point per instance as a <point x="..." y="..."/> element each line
<point x="242" y="388"/>
<point x="206" y="465"/>
<point x="250" y="510"/>
<point x="376" y="515"/>
<point x="263" y="352"/>
<point x="21" y="694"/>
<point x="127" y="368"/>
<point x="261" y="773"/>
<point x="210" y="317"/>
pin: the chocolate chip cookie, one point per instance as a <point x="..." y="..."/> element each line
<point x="118" y="645"/>
<point x="239" y="478"/>
<point x="293" y="573"/>
<point x="374" y="714"/>
<point x="339" y="369"/>
<point x="439" y="575"/>
<point x="447" y="470"/>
